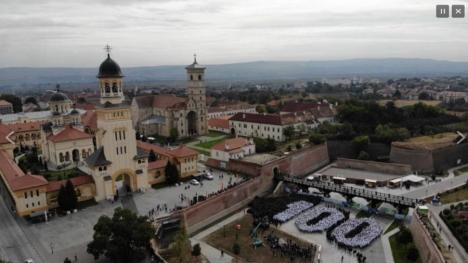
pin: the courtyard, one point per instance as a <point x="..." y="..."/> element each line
<point x="68" y="236"/>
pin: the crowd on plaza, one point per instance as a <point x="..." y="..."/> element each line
<point x="356" y="233"/>
<point x="288" y="248"/>
<point x="318" y="219"/>
<point x="293" y="210"/>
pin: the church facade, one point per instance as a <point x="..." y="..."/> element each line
<point x="164" y="115"/>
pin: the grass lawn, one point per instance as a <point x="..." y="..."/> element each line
<point x="215" y="134"/>
<point x="62" y="174"/>
<point x="224" y="238"/>
<point x="210" y="144"/>
<point x="458" y="195"/>
<point x="460" y="171"/>
<point x="392" y="226"/>
<point x="399" y="251"/>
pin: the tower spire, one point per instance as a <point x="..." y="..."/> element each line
<point x="195" y="59"/>
<point x="108" y="49"/>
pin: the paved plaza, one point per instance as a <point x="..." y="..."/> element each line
<point x="68" y="236"/>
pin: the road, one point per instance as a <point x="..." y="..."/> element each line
<point x="442" y="186"/>
<point x="15" y="246"/>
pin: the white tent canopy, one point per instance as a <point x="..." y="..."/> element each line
<point x="413" y="178"/>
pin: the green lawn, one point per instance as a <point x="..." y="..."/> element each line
<point x="458" y="195"/>
<point x="215" y="134"/>
<point x="399" y="251"/>
<point x="460" y="171"/>
<point x="63" y="174"/>
<point x="210" y="144"/>
<point x="394" y="225"/>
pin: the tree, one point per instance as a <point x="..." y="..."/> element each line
<point x="151" y="156"/>
<point x="388" y="134"/>
<point x="196" y="250"/>
<point x="397" y="94"/>
<point x="424" y="96"/>
<point x="404" y="236"/>
<point x="363" y="155"/>
<point x="181" y="245"/>
<point x="236" y="248"/>
<point x="173" y="134"/>
<point x="316" y="138"/>
<point x="289" y="132"/>
<point x="298" y="146"/>
<point x="67" y="198"/>
<point x="264" y="145"/>
<point x="172" y="175"/>
<point x="260" y="108"/>
<point x="30" y="100"/>
<point x="412" y="253"/>
<point x="360" y="143"/>
<point x="14" y="100"/>
<point x="122" y="238"/>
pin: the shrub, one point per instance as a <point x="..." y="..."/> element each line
<point x="196" y="250"/>
<point x="404" y="236"/>
<point x="236" y="248"/>
<point x="412" y="253"/>
<point x="316" y="138"/>
<point x="298" y="145"/>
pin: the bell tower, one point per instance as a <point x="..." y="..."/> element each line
<point x="110" y="80"/>
<point x="196" y="98"/>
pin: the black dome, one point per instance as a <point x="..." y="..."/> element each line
<point x="58" y="96"/>
<point x="109" y="69"/>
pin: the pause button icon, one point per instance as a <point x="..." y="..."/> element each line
<point x="442" y="10"/>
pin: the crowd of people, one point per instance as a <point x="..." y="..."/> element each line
<point x="356" y="233"/>
<point x="288" y="248"/>
<point x="318" y="219"/>
<point x="293" y="210"/>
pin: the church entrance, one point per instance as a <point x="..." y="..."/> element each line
<point x="123" y="185"/>
<point x="76" y="155"/>
<point x="192" y="123"/>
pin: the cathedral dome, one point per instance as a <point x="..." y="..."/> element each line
<point x="58" y="96"/>
<point x="109" y="69"/>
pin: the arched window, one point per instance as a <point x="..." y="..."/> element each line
<point x="114" y="87"/>
<point x="56" y="108"/>
<point x="83" y="153"/>
<point x="107" y="87"/>
<point x="199" y="77"/>
<point x="61" y="157"/>
<point x="191" y="77"/>
<point x="67" y="156"/>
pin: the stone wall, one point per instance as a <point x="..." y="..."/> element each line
<point x="371" y="166"/>
<point x="428" y="161"/>
<point x="307" y="160"/>
<point x="345" y="149"/>
<point x="428" y="250"/>
<point x="420" y="160"/>
<point x="217" y="207"/>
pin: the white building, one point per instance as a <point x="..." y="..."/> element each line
<point x="236" y="148"/>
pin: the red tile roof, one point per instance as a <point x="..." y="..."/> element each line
<point x="4" y="133"/>
<point x="89" y="119"/>
<point x="273" y="119"/>
<point x="168" y="101"/>
<point x="68" y="134"/>
<point x="221" y="123"/>
<point x="231" y="144"/>
<point x="293" y="106"/>
<point x="76" y="181"/>
<point x="157" y="164"/>
<point x="85" y="106"/>
<point x="25" y="127"/>
<point x="5" y="103"/>
<point x="181" y="151"/>
<point x="15" y="177"/>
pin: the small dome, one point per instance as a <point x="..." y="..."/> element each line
<point x="58" y="96"/>
<point x="109" y="69"/>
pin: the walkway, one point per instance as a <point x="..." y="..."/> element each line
<point x="204" y="139"/>
<point x="211" y="253"/>
<point x="442" y="186"/>
<point x="386" y="245"/>
<point x="446" y="234"/>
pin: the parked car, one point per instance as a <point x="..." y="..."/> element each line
<point x="310" y="178"/>
<point x="29" y="261"/>
<point x="194" y="182"/>
<point x="209" y="176"/>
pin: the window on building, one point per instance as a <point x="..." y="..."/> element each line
<point x="37" y="192"/>
<point x="25" y="195"/>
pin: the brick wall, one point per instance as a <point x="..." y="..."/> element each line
<point x="379" y="167"/>
<point x="215" y="208"/>
<point x="428" y="250"/>
<point x="420" y="160"/>
<point x="307" y="160"/>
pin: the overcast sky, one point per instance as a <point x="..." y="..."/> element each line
<point x="167" y="32"/>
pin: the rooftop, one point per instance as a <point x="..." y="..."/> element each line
<point x="231" y="144"/>
<point x="358" y="174"/>
<point x="68" y="134"/>
<point x="15" y="177"/>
